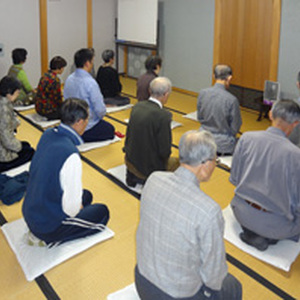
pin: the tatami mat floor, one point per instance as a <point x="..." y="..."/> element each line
<point x="108" y="267"/>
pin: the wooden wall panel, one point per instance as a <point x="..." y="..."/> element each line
<point x="247" y="38"/>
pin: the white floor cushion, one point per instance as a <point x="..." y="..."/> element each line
<point x="191" y="116"/>
<point x="281" y="255"/>
<point x="112" y="109"/>
<point x="93" y="145"/>
<point x="41" y="121"/>
<point x="36" y="260"/>
<point x="120" y="173"/>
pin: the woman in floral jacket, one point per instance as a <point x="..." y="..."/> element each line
<point x="13" y="152"/>
<point x="49" y="96"/>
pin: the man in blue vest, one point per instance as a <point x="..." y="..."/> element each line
<point x="56" y="208"/>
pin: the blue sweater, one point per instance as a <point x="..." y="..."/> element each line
<point x="42" y="207"/>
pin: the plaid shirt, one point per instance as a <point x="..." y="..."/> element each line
<point x="180" y="235"/>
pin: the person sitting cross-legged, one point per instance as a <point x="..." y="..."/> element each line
<point x="56" y="208"/>
<point x="109" y="82"/>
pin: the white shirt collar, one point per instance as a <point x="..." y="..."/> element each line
<point x="156" y="101"/>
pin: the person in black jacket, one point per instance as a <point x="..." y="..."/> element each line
<point x="109" y="82"/>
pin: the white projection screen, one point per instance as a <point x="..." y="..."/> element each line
<point x="137" y="21"/>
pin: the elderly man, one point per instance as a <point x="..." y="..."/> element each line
<point x="219" y="111"/>
<point x="148" y="138"/>
<point x="180" y="248"/>
<point x="56" y="208"/>
<point x="82" y="85"/>
<point x="266" y="171"/>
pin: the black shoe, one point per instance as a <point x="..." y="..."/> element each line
<point x="258" y="242"/>
<point x="272" y="242"/>
<point x="132" y="180"/>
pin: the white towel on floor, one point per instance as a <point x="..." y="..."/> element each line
<point x="36" y="260"/>
<point x="112" y="109"/>
<point x="18" y="170"/>
<point x="41" y="121"/>
<point x="128" y="293"/>
<point x="23" y="108"/>
<point x="120" y="173"/>
<point x="90" y="146"/>
<point x="281" y="255"/>
<point x="191" y="116"/>
<point x="226" y="161"/>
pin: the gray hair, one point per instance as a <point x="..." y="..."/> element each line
<point x="72" y="110"/>
<point x="222" y="72"/>
<point x="196" y="147"/>
<point x="107" y="55"/>
<point x="160" y="86"/>
<point x="287" y="110"/>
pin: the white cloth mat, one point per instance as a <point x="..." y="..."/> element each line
<point x="128" y="293"/>
<point x="120" y="173"/>
<point x="18" y="170"/>
<point x="112" y="109"/>
<point x="23" y="108"/>
<point x="226" y="161"/>
<point x="93" y="145"/>
<point x="41" y="121"/>
<point x="36" y="260"/>
<point x="174" y="124"/>
<point x="191" y="116"/>
<point x="281" y="255"/>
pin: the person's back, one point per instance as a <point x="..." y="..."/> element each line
<point x="148" y="137"/>
<point x="80" y="84"/>
<point x="173" y="212"/>
<point x="16" y="71"/>
<point x="180" y="247"/>
<point x="218" y="111"/>
<point x="42" y="206"/>
<point x="153" y="66"/>
<point x="55" y="206"/>
<point x="108" y="80"/>
<point x="265" y="169"/>
<point x="49" y="96"/>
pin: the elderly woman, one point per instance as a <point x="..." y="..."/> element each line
<point x="109" y="82"/>
<point x="13" y="153"/>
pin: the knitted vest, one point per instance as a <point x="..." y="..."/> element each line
<point x="42" y="207"/>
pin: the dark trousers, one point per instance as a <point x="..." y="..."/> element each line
<point x="88" y="221"/>
<point x="55" y="115"/>
<point x="231" y="289"/>
<point x="100" y="132"/>
<point x="117" y="100"/>
<point x="24" y="155"/>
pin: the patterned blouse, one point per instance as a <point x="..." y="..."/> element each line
<point x="49" y="96"/>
